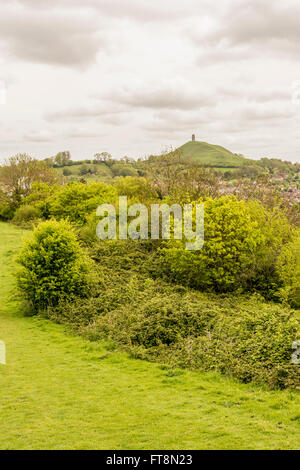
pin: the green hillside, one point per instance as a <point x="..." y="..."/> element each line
<point x="212" y="155"/>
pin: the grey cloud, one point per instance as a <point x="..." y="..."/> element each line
<point x="258" y="95"/>
<point x="173" y="95"/>
<point x="38" y="137"/>
<point x="50" y="37"/>
<point x="255" y="27"/>
<point x="83" y="112"/>
<point x="175" y="122"/>
<point x="81" y="134"/>
<point x="141" y="10"/>
<point x="264" y="113"/>
<point x="264" y="21"/>
<point x="71" y="132"/>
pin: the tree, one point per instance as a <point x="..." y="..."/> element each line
<point x="103" y="156"/>
<point x="20" y="172"/>
<point x="182" y="180"/>
<point x="49" y="161"/>
<point x="62" y="158"/>
<point x="127" y="159"/>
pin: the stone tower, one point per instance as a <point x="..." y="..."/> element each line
<point x="193" y="138"/>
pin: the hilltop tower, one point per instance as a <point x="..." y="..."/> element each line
<point x="193" y="138"/>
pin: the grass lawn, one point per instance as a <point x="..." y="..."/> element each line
<point x="58" y="391"/>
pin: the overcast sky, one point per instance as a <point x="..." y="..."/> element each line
<point x="133" y="77"/>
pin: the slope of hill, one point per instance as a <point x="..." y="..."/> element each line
<point x="212" y="155"/>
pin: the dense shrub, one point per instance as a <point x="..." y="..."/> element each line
<point x="160" y="318"/>
<point x="121" y="169"/>
<point x="40" y="196"/>
<point x="25" y="215"/>
<point x="137" y="189"/>
<point x="67" y="172"/>
<point x="6" y="212"/>
<point x="75" y="201"/>
<point x="53" y="265"/>
<point x="244" y="337"/>
<point x="288" y="266"/>
<point x="7" y="208"/>
<point x="251" y="342"/>
<point x="242" y="241"/>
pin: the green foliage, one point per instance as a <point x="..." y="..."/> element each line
<point x="19" y="173"/>
<point x="136" y="189"/>
<point x="246" y="338"/>
<point x="7" y="207"/>
<point x="62" y="158"/>
<point x="251" y="342"/>
<point x="123" y="169"/>
<point x="40" y="196"/>
<point x="54" y="266"/>
<point x="240" y="238"/>
<point x="25" y="215"/>
<point x="88" y="169"/>
<point x="6" y="211"/>
<point x="75" y="201"/>
<point x="67" y="171"/>
<point x="288" y="266"/>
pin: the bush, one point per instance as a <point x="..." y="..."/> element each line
<point x="84" y="169"/>
<point x="158" y="320"/>
<point x="242" y="241"/>
<point x="245" y="338"/>
<point x="137" y="189"/>
<point x="54" y="266"/>
<point x="6" y="212"/>
<point x="251" y="342"/>
<point x="40" y="196"/>
<point x="67" y="172"/>
<point x="7" y="207"/>
<point x="121" y="169"/>
<point x="288" y="266"/>
<point x="25" y="215"/>
<point x="75" y="201"/>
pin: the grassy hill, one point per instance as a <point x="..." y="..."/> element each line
<point x="212" y="155"/>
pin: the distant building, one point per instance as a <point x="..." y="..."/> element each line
<point x="193" y="138"/>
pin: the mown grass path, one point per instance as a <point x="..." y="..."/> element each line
<point x="58" y="391"/>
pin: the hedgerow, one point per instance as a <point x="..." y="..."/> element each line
<point x="244" y="337"/>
